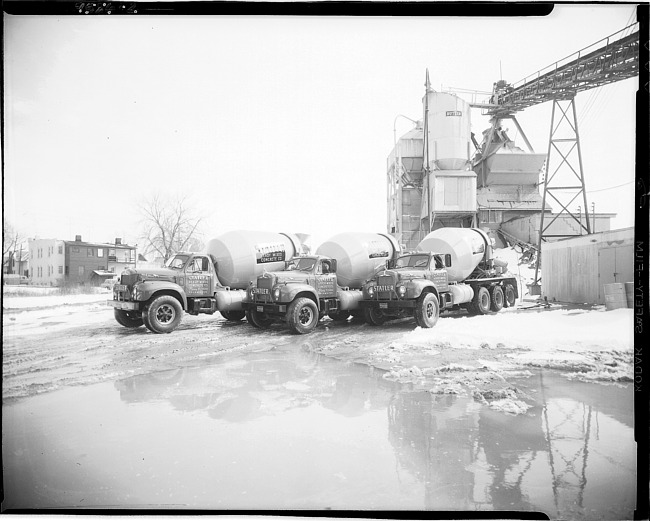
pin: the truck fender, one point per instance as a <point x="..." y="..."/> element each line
<point x="420" y="286"/>
<point x="151" y="289"/>
<point x="291" y="291"/>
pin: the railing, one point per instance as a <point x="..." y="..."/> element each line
<point x="610" y="59"/>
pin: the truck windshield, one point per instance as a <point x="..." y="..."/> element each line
<point x="177" y="262"/>
<point x="412" y="261"/>
<point x="302" y="264"/>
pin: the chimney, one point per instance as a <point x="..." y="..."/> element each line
<point x="118" y="240"/>
<point x="77" y="238"/>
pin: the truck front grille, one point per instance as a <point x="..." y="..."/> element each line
<point x="386" y="287"/>
<point x="264" y="285"/>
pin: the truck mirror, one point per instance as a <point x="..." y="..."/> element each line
<point x="447" y="260"/>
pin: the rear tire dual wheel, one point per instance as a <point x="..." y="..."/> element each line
<point x="496" y="299"/>
<point x="427" y="310"/>
<point x="302" y="316"/>
<point x="130" y="319"/>
<point x="258" y="319"/>
<point x="233" y="316"/>
<point x="163" y="315"/>
<point x="481" y="302"/>
<point x="374" y="316"/>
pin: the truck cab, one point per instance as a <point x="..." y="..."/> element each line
<point x="301" y="293"/>
<point x="157" y="297"/>
<point x="413" y="286"/>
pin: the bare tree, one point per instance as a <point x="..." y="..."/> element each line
<point x="169" y="225"/>
<point x="10" y="241"/>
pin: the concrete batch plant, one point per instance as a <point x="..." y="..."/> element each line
<point x="439" y="175"/>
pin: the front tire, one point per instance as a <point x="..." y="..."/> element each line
<point x="259" y="320"/>
<point x="480" y="304"/>
<point x="374" y="317"/>
<point x="233" y="316"/>
<point x="302" y="316"/>
<point x="130" y="319"/>
<point x="496" y="299"/>
<point x="164" y="314"/>
<point x="427" y="310"/>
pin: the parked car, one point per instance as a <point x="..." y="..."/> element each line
<point x="13" y="279"/>
<point x="109" y="283"/>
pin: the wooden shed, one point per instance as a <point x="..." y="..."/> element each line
<point x="576" y="270"/>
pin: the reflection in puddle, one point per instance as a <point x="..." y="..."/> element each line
<point x="290" y="429"/>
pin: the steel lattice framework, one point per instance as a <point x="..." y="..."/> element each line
<point x="614" y="58"/>
<point x="611" y="59"/>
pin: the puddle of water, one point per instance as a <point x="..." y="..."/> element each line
<point x="289" y="429"/>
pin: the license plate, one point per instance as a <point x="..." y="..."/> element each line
<point x="260" y="309"/>
<point x="120" y="287"/>
<point x="129" y="306"/>
<point x="383" y="305"/>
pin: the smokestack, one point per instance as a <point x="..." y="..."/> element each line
<point x="118" y="240"/>
<point x="77" y="238"/>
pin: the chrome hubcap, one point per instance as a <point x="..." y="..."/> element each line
<point x="165" y="314"/>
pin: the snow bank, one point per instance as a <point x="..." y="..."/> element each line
<point x="21" y="298"/>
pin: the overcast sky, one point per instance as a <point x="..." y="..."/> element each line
<point x="271" y="123"/>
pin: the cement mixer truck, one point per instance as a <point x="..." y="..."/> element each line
<point x="313" y="286"/>
<point x="195" y="283"/>
<point x="452" y="268"/>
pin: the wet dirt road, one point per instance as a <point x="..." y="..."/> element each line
<point x="220" y="416"/>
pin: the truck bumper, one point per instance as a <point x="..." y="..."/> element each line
<point x="387" y="304"/>
<point x="120" y="304"/>
<point x="265" y="308"/>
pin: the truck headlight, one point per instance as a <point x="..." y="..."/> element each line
<point x="371" y="291"/>
<point x="276" y="294"/>
<point x="401" y="290"/>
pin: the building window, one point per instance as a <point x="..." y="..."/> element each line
<point x="60" y="249"/>
<point x="60" y="270"/>
<point x="91" y="253"/>
<point x="100" y="252"/>
<point x="75" y="249"/>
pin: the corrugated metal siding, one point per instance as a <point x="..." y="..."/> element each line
<point x="571" y="271"/>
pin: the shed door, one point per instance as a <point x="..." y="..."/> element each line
<point x="615" y="264"/>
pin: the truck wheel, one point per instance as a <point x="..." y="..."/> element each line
<point x="509" y="296"/>
<point x="259" y="320"/>
<point x="374" y="317"/>
<point x="496" y="298"/>
<point x="164" y="314"/>
<point x="233" y="316"/>
<point x="340" y="316"/>
<point x="127" y="318"/>
<point x="480" y="304"/>
<point x="302" y="315"/>
<point x="427" y="310"/>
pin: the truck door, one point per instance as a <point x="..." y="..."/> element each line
<point x="325" y="280"/>
<point x="199" y="277"/>
<point x="438" y="274"/>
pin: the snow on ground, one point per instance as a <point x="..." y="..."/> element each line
<point x="462" y="354"/>
<point x="30" y="297"/>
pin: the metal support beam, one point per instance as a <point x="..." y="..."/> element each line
<point x="560" y="183"/>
